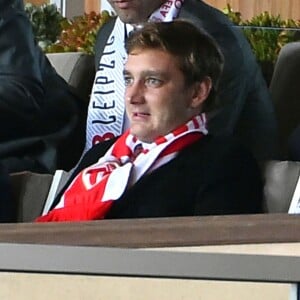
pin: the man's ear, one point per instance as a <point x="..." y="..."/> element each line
<point x="201" y="92"/>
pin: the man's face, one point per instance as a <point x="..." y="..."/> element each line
<point x="135" y="11"/>
<point x="156" y="97"/>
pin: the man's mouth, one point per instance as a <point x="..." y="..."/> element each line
<point x="140" y="114"/>
<point x="123" y="4"/>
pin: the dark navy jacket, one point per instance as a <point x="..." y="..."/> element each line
<point x="37" y="108"/>
<point x="210" y="177"/>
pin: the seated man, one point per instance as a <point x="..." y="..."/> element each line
<point x="165" y="164"/>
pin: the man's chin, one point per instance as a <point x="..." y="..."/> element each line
<point x="140" y="135"/>
<point x="129" y="17"/>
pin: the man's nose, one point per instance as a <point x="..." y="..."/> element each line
<point x="135" y="93"/>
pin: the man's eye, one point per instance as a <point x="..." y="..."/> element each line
<point x="128" y="80"/>
<point x="152" y="81"/>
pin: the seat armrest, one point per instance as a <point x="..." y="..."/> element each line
<point x="280" y="178"/>
<point x="29" y="192"/>
<point x="77" y="69"/>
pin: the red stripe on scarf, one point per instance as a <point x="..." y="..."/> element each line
<point x="196" y="123"/>
<point x="121" y="148"/>
<point x="180" y="130"/>
<point x="80" y="212"/>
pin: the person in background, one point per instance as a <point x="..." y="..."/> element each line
<point x="166" y="164"/>
<point x="294" y="145"/>
<point x="245" y="109"/>
<point x="37" y="108"/>
<point x="8" y="210"/>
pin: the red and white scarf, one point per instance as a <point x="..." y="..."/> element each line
<point x="93" y="191"/>
<point x="106" y="112"/>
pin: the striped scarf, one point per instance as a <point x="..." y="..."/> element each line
<point x="93" y="191"/>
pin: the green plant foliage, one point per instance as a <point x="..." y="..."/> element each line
<point x="266" y="33"/>
<point x="234" y="16"/>
<point x="46" y="23"/>
<point x="79" y="34"/>
<point x="266" y="43"/>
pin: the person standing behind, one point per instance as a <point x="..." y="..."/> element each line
<point x="294" y="145"/>
<point x="245" y="109"/>
<point x="37" y="107"/>
<point x="166" y="164"/>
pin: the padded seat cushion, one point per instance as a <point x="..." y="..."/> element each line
<point x="77" y="69"/>
<point x="280" y="178"/>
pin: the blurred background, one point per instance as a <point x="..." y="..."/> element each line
<point x="248" y="8"/>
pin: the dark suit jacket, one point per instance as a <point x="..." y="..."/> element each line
<point x="245" y="109"/>
<point x="7" y="205"/>
<point x="294" y="145"/>
<point x="210" y="177"/>
<point x="37" y="108"/>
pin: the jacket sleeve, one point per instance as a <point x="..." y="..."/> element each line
<point x="233" y="186"/>
<point x="21" y="89"/>
<point x="41" y="118"/>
